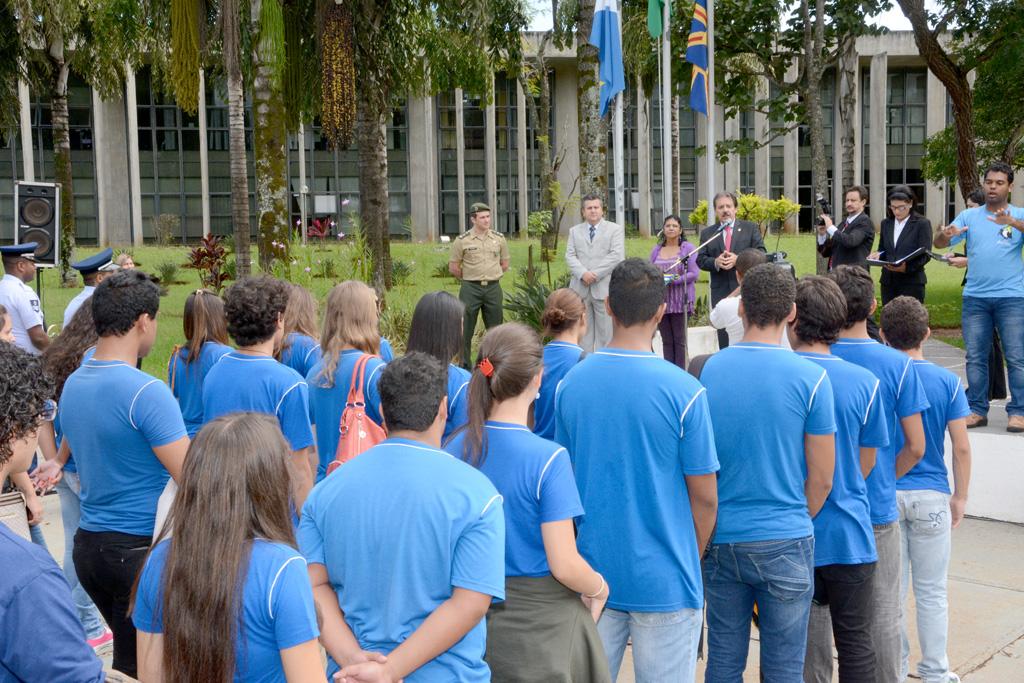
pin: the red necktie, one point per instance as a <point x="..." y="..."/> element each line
<point x="728" y="237"/>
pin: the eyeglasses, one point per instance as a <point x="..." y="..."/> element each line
<point x="49" y="411"/>
<point x="900" y="207"/>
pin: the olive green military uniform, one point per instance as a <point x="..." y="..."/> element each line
<point x="480" y="257"/>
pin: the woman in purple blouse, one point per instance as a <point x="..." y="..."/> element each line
<point x="668" y="255"/>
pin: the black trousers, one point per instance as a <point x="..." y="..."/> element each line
<point x="107" y="563"/>
<point x="673" y="338"/>
<point x="847" y="590"/>
<point x="891" y="290"/>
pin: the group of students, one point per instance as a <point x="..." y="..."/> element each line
<point x="523" y="520"/>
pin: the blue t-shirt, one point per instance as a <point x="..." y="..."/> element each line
<point x="301" y="352"/>
<point x="535" y="480"/>
<point x="113" y="416"/>
<point x="276" y="609"/>
<point x="994" y="252"/>
<point x="398" y="529"/>
<point x="259" y="384"/>
<point x="559" y="358"/>
<point x="326" y="403"/>
<point x="186" y="381"/>
<point x="764" y="399"/>
<point x="902" y="396"/>
<point x="458" y="400"/>
<point x="636" y="427"/>
<point x="35" y="602"/>
<point x="58" y="431"/>
<point x="387" y="353"/>
<point x="842" y="529"/>
<point x="947" y="403"/>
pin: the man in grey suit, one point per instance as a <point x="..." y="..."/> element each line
<point x="719" y="256"/>
<point x="595" y="247"/>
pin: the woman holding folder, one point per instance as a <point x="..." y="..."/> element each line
<point x="903" y="233"/>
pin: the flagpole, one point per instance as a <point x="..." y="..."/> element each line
<point x="710" y="156"/>
<point x="620" y="179"/>
<point x="666" y="112"/>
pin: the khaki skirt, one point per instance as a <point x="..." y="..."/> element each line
<point x="543" y="632"/>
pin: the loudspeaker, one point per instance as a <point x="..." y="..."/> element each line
<point x="37" y="219"/>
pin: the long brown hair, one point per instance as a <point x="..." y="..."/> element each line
<point x="515" y="353"/>
<point x="563" y="309"/>
<point x="301" y="315"/>
<point x="64" y="355"/>
<point x="351" y="320"/>
<point x="203" y="321"/>
<point x="235" y="487"/>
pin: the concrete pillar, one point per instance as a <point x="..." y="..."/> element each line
<point x="522" y="156"/>
<point x="134" y="172"/>
<point x="762" y="156"/>
<point x="878" y="139"/>
<point x="935" y="194"/>
<point x="424" y="189"/>
<point x="643" y="160"/>
<point x="837" y="149"/>
<point x="460" y="158"/>
<point x="25" y="133"/>
<point x="791" y="160"/>
<point x="204" y="158"/>
<point x="491" y="151"/>
<point x="731" y="168"/>
<point x="114" y="204"/>
<point x="567" y="137"/>
<point x="100" y="145"/>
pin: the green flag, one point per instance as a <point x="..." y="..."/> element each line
<point x="654" y="12"/>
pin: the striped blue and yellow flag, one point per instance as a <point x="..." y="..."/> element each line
<point x="697" y="55"/>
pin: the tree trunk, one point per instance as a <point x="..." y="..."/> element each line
<point x="848" y="66"/>
<point x="540" y="115"/>
<point x="236" y="136"/>
<point x="814" y="39"/>
<point x="371" y="131"/>
<point x="62" y="156"/>
<point x="269" y="141"/>
<point x="593" y="136"/>
<point x="953" y="76"/>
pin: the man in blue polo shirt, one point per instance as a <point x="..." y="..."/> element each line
<point x="774" y="421"/>
<point x="251" y="380"/>
<point x="994" y="294"/>
<point x="406" y="545"/>
<point x="904" y="400"/>
<point x="638" y="431"/>
<point x="844" y="545"/>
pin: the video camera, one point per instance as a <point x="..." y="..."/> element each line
<point x="826" y="208"/>
<point x="778" y="258"/>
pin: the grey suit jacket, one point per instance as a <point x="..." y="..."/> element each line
<point x="599" y="257"/>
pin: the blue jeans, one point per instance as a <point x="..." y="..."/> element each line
<point x="664" y="643"/>
<point x="779" y="577"/>
<point x="69" y="490"/>
<point x="979" y="315"/>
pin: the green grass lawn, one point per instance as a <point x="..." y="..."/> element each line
<point x="944" y="293"/>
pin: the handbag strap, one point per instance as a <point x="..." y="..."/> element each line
<point x="355" y="390"/>
<point x="172" y="367"/>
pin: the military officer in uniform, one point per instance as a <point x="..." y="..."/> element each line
<point x="93" y="270"/>
<point x="21" y="301"/>
<point x="479" y="258"/>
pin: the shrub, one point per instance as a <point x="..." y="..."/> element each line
<point x="401" y="272"/>
<point x="394" y="326"/>
<point x="168" y="273"/>
<point x="210" y="258"/>
<point x="166" y="228"/>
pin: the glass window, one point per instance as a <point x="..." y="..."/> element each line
<point x="906" y="102"/>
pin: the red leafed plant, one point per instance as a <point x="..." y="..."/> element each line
<point x="210" y="258"/>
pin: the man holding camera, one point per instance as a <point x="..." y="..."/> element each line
<point x="849" y="243"/>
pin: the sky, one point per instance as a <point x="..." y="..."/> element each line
<point x="893" y="19"/>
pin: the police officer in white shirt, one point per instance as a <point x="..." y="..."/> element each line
<point x="93" y="270"/>
<point x="21" y="301"/>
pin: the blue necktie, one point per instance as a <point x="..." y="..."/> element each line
<point x="592" y="231"/>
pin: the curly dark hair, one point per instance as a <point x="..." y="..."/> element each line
<point x="253" y="306"/>
<point x="121" y="299"/>
<point x="64" y="355"/>
<point x="411" y="390"/>
<point x="859" y="291"/>
<point x="904" y="323"/>
<point x="820" y="310"/>
<point x="767" y="294"/>
<point x="24" y="390"/>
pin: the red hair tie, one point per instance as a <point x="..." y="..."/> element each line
<point x="486" y="367"/>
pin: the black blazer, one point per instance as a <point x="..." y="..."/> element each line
<point x="916" y="233"/>
<point x="851" y="243"/>
<point x="745" y="235"/>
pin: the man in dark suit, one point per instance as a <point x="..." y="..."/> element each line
<point x="902" y="234"/>
<point x="848" y="243"/>
<point x="719" y="256"/>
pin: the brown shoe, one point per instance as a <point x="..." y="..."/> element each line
<point x="975" y="420"/>
<point x="1015" y="424"/>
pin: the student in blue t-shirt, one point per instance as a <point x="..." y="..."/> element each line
<point x="774" y="421"/>
<point x="300" y="348"/>
<point x="406" y="545"/>
<point x="640" y="437"/>
<point x="904" y="400"/>
<point x="250" y="380"/>
<point x="126" y="432"/>
<point x="541" y="631"/>
<point x="189" y="587"/>
<point x="844" y="545"/>
<point x="994" y="295"/>
<point x="206" y="340"/>
<point x="436" y="328"/>
<point x="927" y="512"/>
<point x="350" y="332"/>
<point x="565" y="321"/>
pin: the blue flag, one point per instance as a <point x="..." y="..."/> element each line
<point x="697" y="55"/>
<point x="606" y="36"/>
